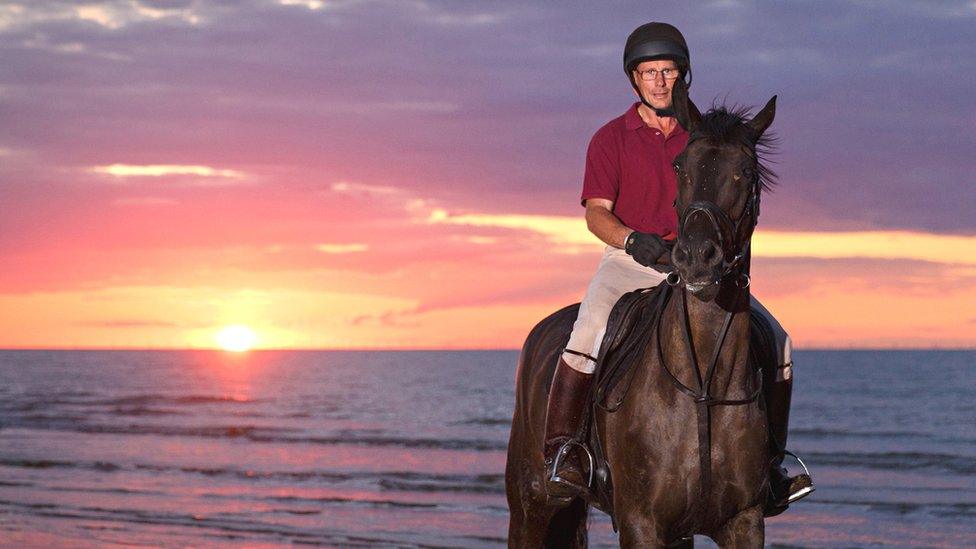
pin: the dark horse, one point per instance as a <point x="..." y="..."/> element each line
<point x="680" y="466"/>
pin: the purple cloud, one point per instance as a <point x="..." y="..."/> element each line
<point x="485" y="106"/>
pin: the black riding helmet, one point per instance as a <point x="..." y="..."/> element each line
<point x="652" y="41"/>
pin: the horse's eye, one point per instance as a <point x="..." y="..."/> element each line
<point x="677" y="167"/>
<point x="748" y="173"/>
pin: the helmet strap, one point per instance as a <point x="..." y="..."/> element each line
<point x="668" y="112"/>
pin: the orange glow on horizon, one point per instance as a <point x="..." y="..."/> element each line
<point x="461" y="282"/>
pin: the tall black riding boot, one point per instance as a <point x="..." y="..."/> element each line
<point x="784" y="488"/>
<point x="564" y="412"/>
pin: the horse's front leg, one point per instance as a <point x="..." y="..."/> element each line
<point x="746" y="529"/>
<point x="639" y="529"/>
<point x="640" y="533"/>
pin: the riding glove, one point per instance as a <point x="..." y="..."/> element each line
<point x="648" y="249"/>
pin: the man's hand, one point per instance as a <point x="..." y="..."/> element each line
<point x="648" y="249"/>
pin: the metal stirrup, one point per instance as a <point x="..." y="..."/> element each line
<point x="790" y="498"/>
<point x="561" y="455"/>
<point x="804" y="465"/>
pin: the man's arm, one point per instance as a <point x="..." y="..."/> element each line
<point x="606" y="226"/>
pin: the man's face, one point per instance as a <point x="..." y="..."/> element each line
<point x="657" y="90"/>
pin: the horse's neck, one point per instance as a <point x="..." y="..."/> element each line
<point x="706" y="321"/>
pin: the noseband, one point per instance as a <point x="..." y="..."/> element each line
<point x="734" y="246"/>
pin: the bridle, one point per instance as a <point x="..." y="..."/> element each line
<point x="735" y="245"/>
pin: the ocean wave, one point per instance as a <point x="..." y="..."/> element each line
<point x="226" y="526"/>
<point x="415" y="482"/>
<point x="404" y="442"/>
<point x="30" y="401"/>
<point x="298" y="511"/>
<point x="255" y="433"/>
<point x="137" y="411"/>
<point x="250" y="432"/>
<point x="102" y="466"/>
<point x="404" y="481"/>
<point x="820" y="433"/>
<point x="491" y="421"/>
<point x="60" y="407"/>
<point x="367" y="502"/>
<point x="904" y="507"/>
<point x="898" y="461"/>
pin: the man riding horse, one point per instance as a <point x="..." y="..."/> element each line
<point x="629" y="190"/>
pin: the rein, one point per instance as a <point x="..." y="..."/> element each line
<point x="733" y="263"/>
<point x="702" y="396"/>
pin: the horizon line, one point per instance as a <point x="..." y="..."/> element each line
<point x="421" y="349"/>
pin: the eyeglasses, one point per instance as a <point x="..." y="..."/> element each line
<point x="650" y="75"/>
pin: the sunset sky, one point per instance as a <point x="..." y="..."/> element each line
<point x="406" y="174"/>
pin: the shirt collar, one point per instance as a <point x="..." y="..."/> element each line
<point x="633" y="121"/>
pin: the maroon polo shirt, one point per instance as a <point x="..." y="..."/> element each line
<point x="632" y="165"/>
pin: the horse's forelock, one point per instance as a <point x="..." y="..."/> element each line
<point x="727" y="125"/>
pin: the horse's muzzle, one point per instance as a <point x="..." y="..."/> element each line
<point x="699" y="263"/>
<point x="698" y="255"/>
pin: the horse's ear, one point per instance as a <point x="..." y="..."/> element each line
<point x="761" y="121"/>
<point x="685" y="110"/>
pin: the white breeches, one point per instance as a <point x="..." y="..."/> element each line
<point x="616" y="275"/>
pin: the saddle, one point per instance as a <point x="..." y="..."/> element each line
<point x="629" y="327"/>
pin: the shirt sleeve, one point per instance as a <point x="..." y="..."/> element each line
<point x="601" y="178"/>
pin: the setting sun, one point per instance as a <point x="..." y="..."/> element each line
<point x="236" y="338"/>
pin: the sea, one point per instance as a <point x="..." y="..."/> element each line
<point x="407" y="449"/>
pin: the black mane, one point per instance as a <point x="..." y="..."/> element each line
<point x="727" y="127"/>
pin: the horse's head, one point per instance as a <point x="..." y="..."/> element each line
<point x="720" y="177"/>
